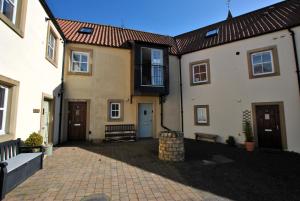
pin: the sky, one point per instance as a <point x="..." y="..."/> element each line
<point x="167" y="17"/>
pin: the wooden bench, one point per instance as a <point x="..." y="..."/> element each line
<point x="120" y="132"/>
<point x="16" y="167"/>
<point x="201" y="136"/>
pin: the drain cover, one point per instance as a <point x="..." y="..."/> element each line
<point x="96" y="197"/>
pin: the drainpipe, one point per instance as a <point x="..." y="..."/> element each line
<point x="161" y="98"/>
<point x="61" y="94"/>
<point x="296" y="55"/>
<point x="180" y="87"/>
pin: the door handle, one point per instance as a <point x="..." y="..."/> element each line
<point x="76" y="124"/>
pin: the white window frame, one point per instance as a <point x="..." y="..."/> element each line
<point x="87" y="62"/>
<point x="204" y="112"/>
<point x="15" y="4"/>
<point x="252" y="63"/>
<point x="153" y="83"/>
<point x="206" y="72"/>
<point x="4" y="109"/>
<point x="52" y="46"/>
<point x="118" y="110"/>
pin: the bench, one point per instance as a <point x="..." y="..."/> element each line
<point x="120" y="132"/>
<point x="201" y="136"/>
<point x="16" y="167"/>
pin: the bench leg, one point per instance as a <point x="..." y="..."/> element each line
<point x="3" y="176"/>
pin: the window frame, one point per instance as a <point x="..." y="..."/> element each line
<point x="54" y="60"/>
<point x="4" y="109"/>
<point x="118" y="102"/>
<point x="18" y="24"/>
<point x="274" y="62"/>
<point x="87" y="62"/>
<point x="197" y="123"/>
<point x="161" y="67"/>
<point x="192" y="75"/>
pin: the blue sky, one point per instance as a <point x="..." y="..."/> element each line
<point x="168" y="17"/>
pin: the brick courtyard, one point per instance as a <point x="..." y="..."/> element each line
<point x="131" y="171"/>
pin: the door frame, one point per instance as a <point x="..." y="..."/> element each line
<point x="153" y="118"/>
<point x="280" y="105"/>
<point x="87" y="116"/>
<point x="51" y="100"/>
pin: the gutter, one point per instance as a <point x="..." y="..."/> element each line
<point x="296" y="55"/>
<point x="180" y="87"/>
<point x="162" y="113"/>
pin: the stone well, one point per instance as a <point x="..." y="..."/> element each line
<point x="171" y="146"/>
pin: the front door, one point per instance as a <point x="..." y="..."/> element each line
<point x="77" y="121"/>
<point x="268" y="126"/>
<point x="145" y="120"/>
<point x="46" y="121"/>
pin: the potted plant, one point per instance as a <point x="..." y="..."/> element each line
<point x="249" y="138"/>
<point x="34" y="142"/>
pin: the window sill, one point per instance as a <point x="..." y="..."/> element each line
<point x="264" y="75"/>
<point x="115" y="120"/>
<point x="12" y="26"/>
<point x="54" y="63"/>
<point x="199" y="83"/>
<point x="79" y="73"/>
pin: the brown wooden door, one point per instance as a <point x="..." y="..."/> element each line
<point x="77" y="121"/>
<point x="268" y="126"/>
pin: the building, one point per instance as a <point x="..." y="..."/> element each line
<point x="31" y="49"/>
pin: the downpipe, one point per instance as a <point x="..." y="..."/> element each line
<point x="162" y="100"/>
<point x="296" y="55"/>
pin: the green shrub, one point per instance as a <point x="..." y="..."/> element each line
<point x="34" y="140"/>
<point x="248" y="131"/>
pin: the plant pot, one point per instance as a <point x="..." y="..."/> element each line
<point x="250" y="146"/>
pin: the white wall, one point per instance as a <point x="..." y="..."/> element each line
<point x="23" y="59"/>
<point x="231" y="91"/>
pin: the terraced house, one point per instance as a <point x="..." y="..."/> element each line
<point x="205" y="81"/>
<point x="31" y="48"/>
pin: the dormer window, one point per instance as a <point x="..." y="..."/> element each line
<point x="211" y="33"/>
<point x="86" y="30"/>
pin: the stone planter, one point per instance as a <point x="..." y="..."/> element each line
<point x="171" y="146"/>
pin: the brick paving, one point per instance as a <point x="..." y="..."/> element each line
<point x="132" y="171"/>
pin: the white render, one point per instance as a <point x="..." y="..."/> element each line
<point x="23" y="60"/>
<point x="231" y="91"/>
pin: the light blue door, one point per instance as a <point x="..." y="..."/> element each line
<point x="145" y="120"/>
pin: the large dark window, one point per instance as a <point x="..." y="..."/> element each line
<point x="152" y="67"/>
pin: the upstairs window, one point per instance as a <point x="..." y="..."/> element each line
<point x="3" y="108"/>
<point x="200" y="72"/>
<point x="51" y="53"/>
<point x="152" y="71"/>
<point x="211" y="33"/>
<point x="263" y="62"/>
<point x="86" y="30"/>
<point x="79" y="62"/>
<point x="9" y="9"/>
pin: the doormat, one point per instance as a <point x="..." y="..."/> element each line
<point x="96" y="197"/>
<point x="217" y="159"/>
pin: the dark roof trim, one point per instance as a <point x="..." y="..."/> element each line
<point x="52" y="18"/>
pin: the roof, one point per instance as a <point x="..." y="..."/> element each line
<point x="104" y="35"/>
<point x="273" y="18"/>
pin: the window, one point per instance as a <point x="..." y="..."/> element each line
<point x="79" y="62"/>
<point x="152" y="71"/>
<point x="3" y="108"/>
<point x="115" y="110"/>
<point x="52" y="47"/>
<point x="201" y="114"/>
<point x="86" y="30"/>
<point x="200" y="72"/>
<point x="9" y="9"/>
<point x="213" y="32"/>
<point x="263" y="62"/>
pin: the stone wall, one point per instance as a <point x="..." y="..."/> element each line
<point x="171" y="146"/>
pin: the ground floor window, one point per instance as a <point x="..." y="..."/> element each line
<point x="201" y="113"/>
<point x="3" y="108"/>
<point x="115" y="108"/>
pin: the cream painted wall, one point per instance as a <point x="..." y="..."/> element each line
<point x="110" y="79"/>
<point x="23" y="59"/>
<point x="231" y="91"/>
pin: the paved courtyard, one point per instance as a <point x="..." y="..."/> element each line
<point x="131" y="171"/>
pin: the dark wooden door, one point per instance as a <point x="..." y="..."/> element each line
<point x="268" y="126"/>
<point x="77" y="121"/>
